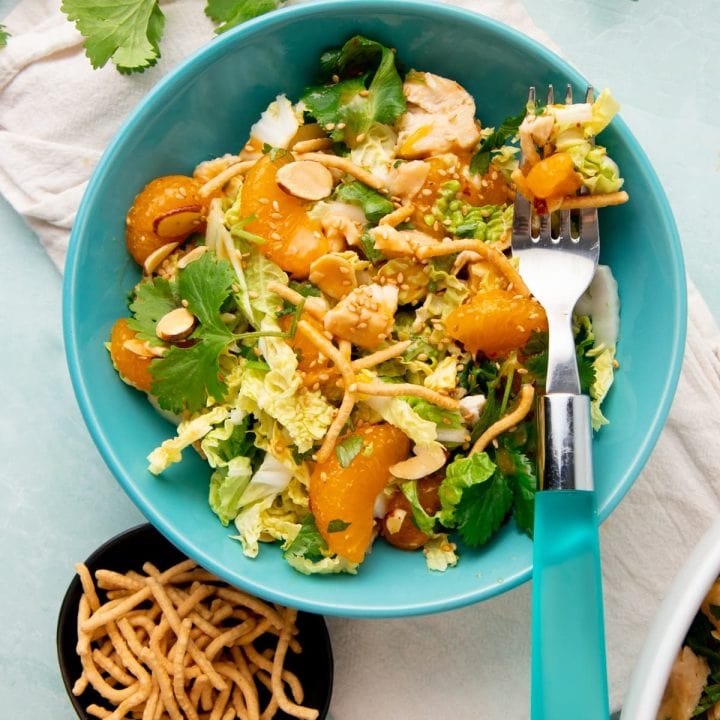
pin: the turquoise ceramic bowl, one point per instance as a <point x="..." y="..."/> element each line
<point x="204" y="109"/>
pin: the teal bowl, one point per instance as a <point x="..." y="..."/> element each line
<point x="204" y="109"/>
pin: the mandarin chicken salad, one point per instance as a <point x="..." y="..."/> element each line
<point x="333" y="319"/>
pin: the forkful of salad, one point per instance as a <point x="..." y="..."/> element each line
<point x="557" y="243"/>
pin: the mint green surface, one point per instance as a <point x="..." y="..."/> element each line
<point x="59" y="500"/>
<point x="569" y="677"/>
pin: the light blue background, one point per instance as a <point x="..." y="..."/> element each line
<point x="660" y="57"/>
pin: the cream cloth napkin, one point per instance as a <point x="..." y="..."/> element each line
<point x="56" y="117"/>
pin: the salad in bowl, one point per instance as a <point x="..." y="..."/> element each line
<point x="332" y="318"/>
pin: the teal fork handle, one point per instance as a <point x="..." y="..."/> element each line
<point x="568" y="673"/>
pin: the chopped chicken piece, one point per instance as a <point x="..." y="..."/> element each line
<point x="340" y="232"/>
<point x="440" y="117"/>
<point x="684" y="688"/>
<point x="539" y="126"/>
<point x="408" y="178"/>
<point x="365" y="316"/>
<point x="341" y="222"/>
<point x="527" y="143"/>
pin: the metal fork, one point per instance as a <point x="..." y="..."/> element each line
<point x="568" y="673"/>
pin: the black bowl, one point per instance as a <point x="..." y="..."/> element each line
<point x="129" y="551"/>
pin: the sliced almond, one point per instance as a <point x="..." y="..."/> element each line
<point x="178" y="221"/>
<point x="427" y="460"/>
<point x="305" y="179"/>
<point x="155" y="258"/>
<point x="138" y="347"/>
<point x="175" y="325"/>
<point x="193" y="255"/>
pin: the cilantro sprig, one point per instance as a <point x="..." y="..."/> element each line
<point x="480" y="162"/>
<point x="129" y="32"/>
<point x="186" y="376"/>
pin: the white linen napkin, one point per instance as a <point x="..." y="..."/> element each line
<point x="56" y="117"/>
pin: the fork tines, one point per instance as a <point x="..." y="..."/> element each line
<point x="558" y="224"/>
<point x="589" y="94"/>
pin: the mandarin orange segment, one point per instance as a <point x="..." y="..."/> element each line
<point x="495" y="322"/>
<point x="554" y="176"/>
<point x="157" y="207"/>
<point x="293" y="240"/>
<point x="342" y="498"/>
<point x="133" y="368"/>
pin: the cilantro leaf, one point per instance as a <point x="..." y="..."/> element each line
<point x="308" y="543"/>
<point x="335" y="526"/>
<point x="537" y="357"/>
<point x="153" y="299"/>
<point x="480" y="162"/>
<point x="521" y="476"/>
<point x="186" y="376"/>
<point x="229" y="13"/>
<point x="128" y="32"/>
<point x="4" y="35"/>
<point x="373" y="204"/>
<point x="584" y="342"/>
<point x="482" y="509"/>
<point x="348" y="449"/>
<point x="353" y="104"/>
<point x="205" y="284"/>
